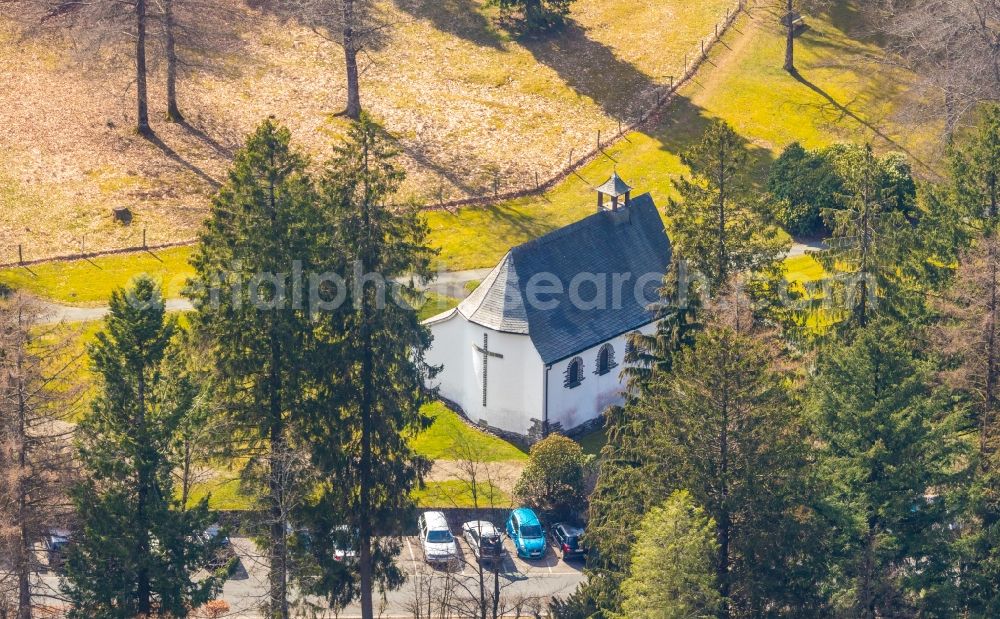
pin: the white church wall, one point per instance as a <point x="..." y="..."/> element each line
<point x="448" y="345"/>
<point x="514" y="382"/>
<point x="571" y="407"/>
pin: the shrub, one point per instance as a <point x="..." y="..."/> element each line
<point x="553" y="481"/>
<point x="804" y="183"/>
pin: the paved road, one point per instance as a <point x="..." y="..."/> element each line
<point x="524" y="584"/>
<point x="451" y="284"/>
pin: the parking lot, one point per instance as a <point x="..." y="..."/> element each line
<point x="524" y="584"/>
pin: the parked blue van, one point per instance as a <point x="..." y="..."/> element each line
<point x="525" y="530"/>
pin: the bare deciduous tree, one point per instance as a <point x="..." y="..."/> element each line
<point x="355" y="25"/>
<point x="145" y="35"/>
<point x="35" y="456"/>
<point x="954" y="47"/>
<point x="973" y="336"/>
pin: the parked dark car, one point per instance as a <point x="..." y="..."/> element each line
<point x="224" y="553"/>
<point x="56" y="547"/>
<point x="484" y="540"/>
<point x="567" y="539"/>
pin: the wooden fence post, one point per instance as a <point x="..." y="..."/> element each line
<point x="570" y="164"/>
<point x="536" y="181"/>
<point x="144" y="237"/>
<point x="598" y="139"/>
<point x="703" y="47"/>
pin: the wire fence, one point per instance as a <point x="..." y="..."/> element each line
<point x="604" y="138"/>
<point x="646" y="108"/>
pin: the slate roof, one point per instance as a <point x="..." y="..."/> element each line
<point x="614" y="186"/>
<point x="629" y="243"/>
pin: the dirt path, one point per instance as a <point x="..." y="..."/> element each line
<point x="731" y="52"/>
<point x="503" y="474"/>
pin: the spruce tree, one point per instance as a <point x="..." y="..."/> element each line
<point x="137" y="550"/>
<point x="719" y="223"/>
<point x="538" y="15"/>
<point x="725" y="428"/>
<point x="871" y="235"/>
<point x="264" y="229"/>
<point x="721" y="424"/>
<point x="628" y="485"/>
<point x="971" y="337"/>
<point x="673" y="564"/>
<point x="975" y="167"/>
<point x="887" y="449"/>
<point x="375" y="351"/>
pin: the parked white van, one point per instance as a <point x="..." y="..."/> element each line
<point x="436" y="539"/>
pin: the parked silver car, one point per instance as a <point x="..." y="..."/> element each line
<point x="436" y="539"/>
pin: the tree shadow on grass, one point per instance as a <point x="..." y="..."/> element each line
<point x="681" y="124"/>
<point x="845" y="111"/>
<point x="174" y="156"/>
<point x="458" y="17"/>
<point x="593" y="70"/>
<point x="527" y="224"/>
<point x="851" y="18"/>
<point x="371" y="31"/>
<point x="220" y="149"/>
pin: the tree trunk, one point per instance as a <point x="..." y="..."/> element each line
<point x="353" y="109"/>
<point x="367" y="368"/>
<point x="723" y="247"/>
<point x="142" y="102"/>
<point x="143" y="588"/>
<point x="724" y="518"/>
<point x="22" y="559"/>
<point x="170" y="45"/>
<point x="790" y="40"/>
<point x="987" y="421"/>
<point x="278" y="573"/>
<point x="950" y="114"/>
<point x="186" y="476"/>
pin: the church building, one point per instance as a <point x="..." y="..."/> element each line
<point x="539" y="345"/>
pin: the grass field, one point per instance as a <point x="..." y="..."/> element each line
<point x="447" y="438"/>
<point x="90" y="282"/>
<point x="471" y="105"/>
<point x="451" y="438"/>
<point x="842" y="93"/>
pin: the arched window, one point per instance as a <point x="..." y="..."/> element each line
<point x="605" y="359"/>
<point x="574" y="373"/>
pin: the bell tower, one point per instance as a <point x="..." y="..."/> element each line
<point x="616" y="189"/>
